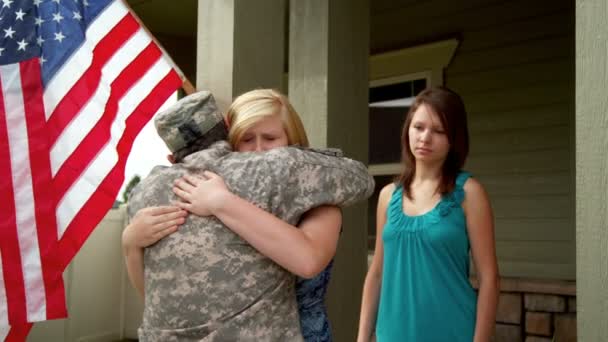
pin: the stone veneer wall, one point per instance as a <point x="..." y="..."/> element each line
<point x="535" y="311"/>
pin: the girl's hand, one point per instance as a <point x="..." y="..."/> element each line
<point x="201" y="195"/>
<point x="152" y="224"/>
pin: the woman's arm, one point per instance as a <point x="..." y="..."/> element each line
<point x="305" y="250"/>
<point x="134" y="260"/>
<point x="480" y="227"/>
<point x="147" y="227"/>
<point x="373" y="280"/>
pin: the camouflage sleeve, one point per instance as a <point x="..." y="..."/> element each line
<point x="308" y="178"/>
<point x="135" y="201"/>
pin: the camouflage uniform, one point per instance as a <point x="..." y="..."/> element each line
<point x="204" y="282"/>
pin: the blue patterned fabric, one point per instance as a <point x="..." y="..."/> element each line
<point x="310" y="294"/>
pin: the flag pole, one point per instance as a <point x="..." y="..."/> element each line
<point x="186" y="84"/>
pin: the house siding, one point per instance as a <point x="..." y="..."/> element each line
<point x="514" y="68"/>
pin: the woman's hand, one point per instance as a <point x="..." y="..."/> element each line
<point x="152" y="224"/>
<point x="147" y="227"/>
<point x="201" y="195"/>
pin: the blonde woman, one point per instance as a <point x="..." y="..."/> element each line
<point x="258" y="121"/>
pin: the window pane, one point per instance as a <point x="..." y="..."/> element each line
<point x="388" y="105"/>
<point x="385" y="134"/>
<point x="419" y="85"/>
<point x="392" y="92"/>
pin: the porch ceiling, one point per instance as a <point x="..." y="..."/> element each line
<point x="179" y="18"/>
<point x="174" y="18"/>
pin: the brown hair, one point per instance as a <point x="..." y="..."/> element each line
<point x="450" y="109"/>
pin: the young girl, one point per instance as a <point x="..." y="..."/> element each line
<point x="417" y="287"/>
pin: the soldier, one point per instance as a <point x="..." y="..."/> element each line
<point x="205" y="282"/>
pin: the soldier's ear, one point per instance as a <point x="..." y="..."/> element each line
<point x="171" y="158"/>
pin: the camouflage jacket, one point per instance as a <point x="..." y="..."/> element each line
<point x="204" y="282"/>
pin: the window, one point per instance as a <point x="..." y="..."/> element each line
<point x="388" y="105"/>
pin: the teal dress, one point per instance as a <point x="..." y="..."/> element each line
<point x="426" y="295"/>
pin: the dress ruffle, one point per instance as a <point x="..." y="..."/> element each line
<point x="448" y="202"/>
<point x="452" y="200"/>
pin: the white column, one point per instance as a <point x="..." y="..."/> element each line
<point x="328" y="86"/>
<point x="240" y="46"/>
<point x="592" y="169"/>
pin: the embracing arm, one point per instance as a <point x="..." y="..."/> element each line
<point x="373" y="280"/>
<point x="305" y="250"/>
<point x="134" y="261"/>
<point x="147" y="227"/>
<point x="480" y="227"/>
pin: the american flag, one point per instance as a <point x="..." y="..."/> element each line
<point x="78" y="81"/>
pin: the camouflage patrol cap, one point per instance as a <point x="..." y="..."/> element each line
<point x="187" y="120"/>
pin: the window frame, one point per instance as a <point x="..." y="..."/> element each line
<point x="388" y="169"/>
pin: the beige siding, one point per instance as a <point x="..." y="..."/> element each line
<point x="515" y="70"/>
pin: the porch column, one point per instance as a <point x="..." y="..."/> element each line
<point x="592" y="170"/>
<point x="240" y="46"/>
<point x="328" y="86"/>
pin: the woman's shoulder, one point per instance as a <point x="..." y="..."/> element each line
<point x="472" y="186"/>
<point x="389" y="188"/>
<point x="474" y="191"/>
<point x="386" y="193"/>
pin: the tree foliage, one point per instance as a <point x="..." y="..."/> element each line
<point x="132" y="183"/>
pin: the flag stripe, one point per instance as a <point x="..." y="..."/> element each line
<point x="13" y="287"/>
<point x="27" y="239"/>
<point x="99" y="135"/>
<point x="81" y="92"/>
<point x="18" y="333"/>
<point x="3" y="307"/>
<point x="42" y="193"/>
<point x="77" y="130"/>
<point x="4" y="330"/>
<point x="99" y="203"/>
<point x="126" y="55"/>
<point x="13" y="290"/>
<point x="107" y="157"/>
<point x="78" y="63"/>
<point x="44" y="196"/>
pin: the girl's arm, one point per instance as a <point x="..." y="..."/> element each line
<point x="147" y="227"/>
<point x="480" y="227"/>
<point x="134" y="260"/>
<point x="373" y="280"/>
<point x="305" y="250"/>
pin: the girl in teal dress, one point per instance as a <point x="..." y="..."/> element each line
<point x="417" y="288"/>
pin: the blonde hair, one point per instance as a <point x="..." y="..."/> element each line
<point x="255" y="105"/>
